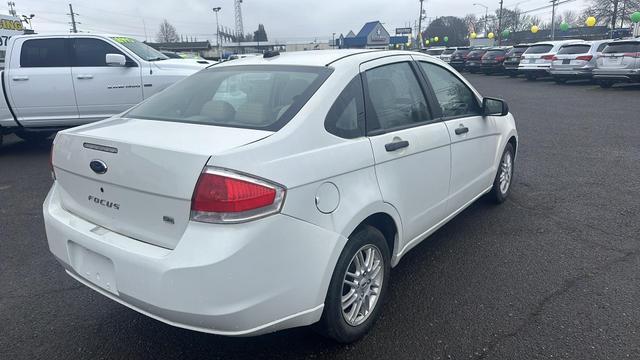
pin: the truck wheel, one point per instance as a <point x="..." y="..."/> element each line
<point x="605" y="84"/>
<point x="34" y="137"/>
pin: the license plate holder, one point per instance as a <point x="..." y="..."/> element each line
<point x="566" y="61"/>
<point x="95" y="268"/>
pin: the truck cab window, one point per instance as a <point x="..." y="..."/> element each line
<point x="44" y="53"/>
<point x="92" y="52"/>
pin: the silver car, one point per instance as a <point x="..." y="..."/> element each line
<point x="619" y="62"/>
<point x="446" y="54"/>
<point x="576" y="61"/>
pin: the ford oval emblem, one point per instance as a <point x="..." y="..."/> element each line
<point x="98" y="166"/>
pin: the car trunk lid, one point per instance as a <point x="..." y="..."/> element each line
<point x="150" y="171"/>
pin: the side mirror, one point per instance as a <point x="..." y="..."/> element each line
<point x="116" y="60"/>
<point x="494" y="107"/>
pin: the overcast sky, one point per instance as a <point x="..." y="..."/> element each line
<point x="284" y="20"/>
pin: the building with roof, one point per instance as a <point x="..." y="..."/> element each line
<point x="373" y="35"/>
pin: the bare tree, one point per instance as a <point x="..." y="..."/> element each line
<point x="167" y="33"/>
<point x="608" y="12"/>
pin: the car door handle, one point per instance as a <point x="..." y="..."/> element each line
<point x="462" y="130"/>
<point x="20" y="78"/>
<point x="396" y="145"/>
<point x="82" y="77"/>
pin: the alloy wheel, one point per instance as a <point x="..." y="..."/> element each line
<point x="506" y="172"/>
<point x="362" y="283"/>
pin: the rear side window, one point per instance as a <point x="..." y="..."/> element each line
<point x="92" y="52"/>
<point x="454" y="97"/>
<point x="262" y="97"/>
<point x="45" y="53"/>
<point x="539" y="49"/>
<point x="395" y="97"/>
<point x="622" y="47"/>
<point x="574" y="49"/>
<point x="346" y="116"/>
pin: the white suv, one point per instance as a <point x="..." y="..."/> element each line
<point x="268" y="193"/>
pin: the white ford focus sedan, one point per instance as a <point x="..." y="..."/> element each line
<point x="275" y="192"/>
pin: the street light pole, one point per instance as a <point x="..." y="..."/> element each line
<point x="486" y="15"/>
<point x="553" y="19"/>
<point x="500" y="25"/>
<point x="217" y="10"/>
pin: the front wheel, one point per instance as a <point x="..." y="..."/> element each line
<point x="358" y="287"/>
<point x="34" y="137"/>
<point x="605" y="84"/>
<point x="531" y="77"/>
<point x="502" y="182"/>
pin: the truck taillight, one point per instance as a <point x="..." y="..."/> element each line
<point x="585" y="57"/>
<point x="222" y="196"/>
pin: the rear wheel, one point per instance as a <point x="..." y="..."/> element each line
<point x="531" y="77"/>
<point x="605" y="84"/>
<point x="560" y="80"/>
<point x="358" y="287"/>
<point x="502" y="182"/>
<point x="34" y="137"/>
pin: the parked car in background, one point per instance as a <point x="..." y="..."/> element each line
<point x="254" y="226"/>
<point x="446" y="54"/>
<point x="619" y="62"/>
<point x="576" y="61"/>
<point x="242" y="56"/>
<point x="473" y="62"/>
<point x="493" y="60"/>
<point x="537" y="59"/>
<point x="171" y="55"/>
<point x="435" y="51"/>
<point x="459" y="58"/>
<point x="58" y="81"/>
<point x="512" y="60"/>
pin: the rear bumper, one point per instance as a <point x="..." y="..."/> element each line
<point x="492" y="66"/>
<point x="259" y="277"/>
<point x="617" y="75"/>
<point x="571" y="73"/>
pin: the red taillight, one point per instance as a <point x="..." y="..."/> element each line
<point x="554" y="58"/>
<point x="547" y="57"/>
<point x="585" y="57"/>
<point x="221" y="196"/>
<point x="633" y="55"/>
<point x="499" y="58"/>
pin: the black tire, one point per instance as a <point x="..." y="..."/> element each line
<point x="560" y="81"/>
<point x="605" y="84"/>
<point x="513" y="75"/>
<point x="530" y="77"/>
<point x="473" y="71"/>
<point x="34" y="137"/>
<point x="497" y="194"/>
<point x="333" y="323"/>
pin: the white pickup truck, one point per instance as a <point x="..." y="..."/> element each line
<point x="51" y="82"/>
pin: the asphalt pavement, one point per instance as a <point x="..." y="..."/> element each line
<point x="551" y="273"/>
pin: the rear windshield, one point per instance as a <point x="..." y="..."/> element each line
<point x="622" y="47"/>
<point x="517" y="51"/>
<point x="491" y="53"/>
<point x="476" y="53"/>
<point x="434" y="52"/>
<point x="539" y="49"/>
<point x="448" y="51"/>
<point x="574" y="49"/>
<point x="461" y="52"/>
<point x="263" y="97"/>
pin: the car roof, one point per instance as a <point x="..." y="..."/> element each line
<point x="319" y="57"/>
<point x="57" y="34"/>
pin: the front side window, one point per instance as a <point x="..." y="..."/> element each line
<point x="395" y="97"/>
<point x="346" y="116"/>
<point x="92" y="52"/>
<point x="263" y="97"/>
<point x="454" y="97"/>
<point x="44" y="53"/>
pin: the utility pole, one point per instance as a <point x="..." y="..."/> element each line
<point x="500" y="24"/>
<point x="419" y="35"/>
<point x="74" y="28"/>
<point x="12" y="8"/>
<point x="333" y="41"/>
<point x="217" y="10"/>
<point x="486" y="16"/>
<point x="553" y="19"/>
